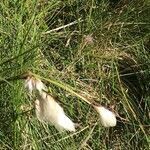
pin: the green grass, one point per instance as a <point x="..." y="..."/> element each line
<point x="104" y="57"/>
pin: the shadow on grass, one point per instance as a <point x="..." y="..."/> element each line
<point x="7" y="116"/>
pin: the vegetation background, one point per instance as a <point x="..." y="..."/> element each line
<point x="100" y="49"/>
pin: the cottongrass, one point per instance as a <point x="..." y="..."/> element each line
<point x="32" y="83"/>
<point x="107" y="118"/>
<point x="46" y="108"/>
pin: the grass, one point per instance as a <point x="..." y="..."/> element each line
<point x="102" y="54"/>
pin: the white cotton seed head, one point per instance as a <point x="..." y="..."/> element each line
<point x="64" y="122"/>
<point x="38" y="110"/>
<point x="29" y="84"/>
<point x="32" y="84"/>
<point x="48" y="110"/>
<point x="107" y="118"/>
<point x="39" y="85"/>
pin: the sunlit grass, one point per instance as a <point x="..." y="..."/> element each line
<point x="83" y="51"/>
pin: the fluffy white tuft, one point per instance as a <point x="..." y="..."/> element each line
<point x="29" y="84"/>
<point x="64" y="122"/>
<point x="38" y="110"/>
<point x="34" y="84"/>
<point x="39" y="85"/>
<point x="48" y="110"/>
<point x="107" y="118"/>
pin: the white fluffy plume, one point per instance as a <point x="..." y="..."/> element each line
<point x="107" y="118"/>
<point x="32" y="84"/>
<point x="48" y="110"/>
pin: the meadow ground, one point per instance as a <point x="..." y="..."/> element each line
<point x="97" y="49"/>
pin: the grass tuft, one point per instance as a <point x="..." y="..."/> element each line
<point x="83" y="50"/>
